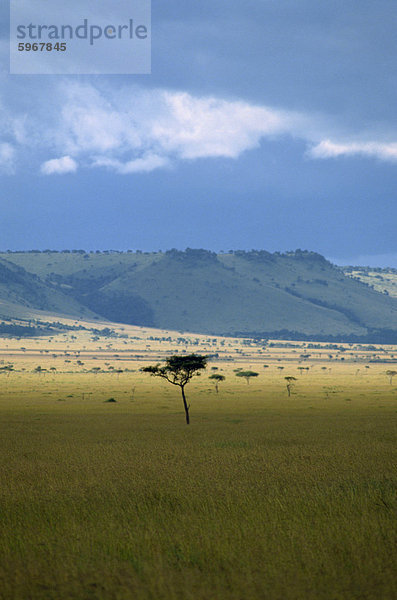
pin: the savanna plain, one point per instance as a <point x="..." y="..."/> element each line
<point x="106" y="494"/>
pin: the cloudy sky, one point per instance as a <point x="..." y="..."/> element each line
<point x="264" y="124"/>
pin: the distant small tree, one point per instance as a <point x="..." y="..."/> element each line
<point x="179" y="370"/>
<point x="247" y="375"/>
<point x="217" y="378"/>
<point x="290" y="383"/>
<point x="391" y="374"/>
<point x="7" y="369"/>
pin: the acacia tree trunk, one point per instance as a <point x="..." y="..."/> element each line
<point x="185" y="404"/>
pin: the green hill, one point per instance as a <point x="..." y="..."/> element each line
<point x="22" y="293"/>
<point x="293" y="295"/>
<point x="381" y="280"/>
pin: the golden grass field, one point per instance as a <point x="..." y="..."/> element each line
<point x="263" y="496"/>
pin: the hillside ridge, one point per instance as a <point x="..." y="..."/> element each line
<point x="296" y="294"/>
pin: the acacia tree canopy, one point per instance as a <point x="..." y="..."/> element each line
<point x="217" y="378"/>
<point x="247" y="375"/>
<point x="290" y="382"/>
<point x="179" y="370"/>
<point x="391" y="374"/>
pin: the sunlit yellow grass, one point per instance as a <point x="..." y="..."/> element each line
<point x="261" y="497"/>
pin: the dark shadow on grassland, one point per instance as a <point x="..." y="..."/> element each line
<point x="373" y="336"/>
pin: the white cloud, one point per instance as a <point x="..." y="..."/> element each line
<point x="137" y="131"/>
<point x="210" y="127"/>
<point x="328" y="149"/>
<point x="59" y="166"/>
<point x="7" y="158"/>
<point x="132" y="130"/>
<point x="89" y="122"/>
<point x="139" y="165"/>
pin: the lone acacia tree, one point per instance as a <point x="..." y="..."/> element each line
<point x="179" y="370"/>
<point x="247" y="375"/>
<point x="391" y="374"/>
<point x="290" y="382"/>
<point x="217" y="378"/>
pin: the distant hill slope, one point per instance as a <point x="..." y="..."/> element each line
<point x="381" y="280"/>
<point x="296" y="294"/>
<point x="21" y="293"/>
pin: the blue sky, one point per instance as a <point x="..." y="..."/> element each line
<point x="264" y="124"/>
